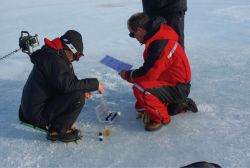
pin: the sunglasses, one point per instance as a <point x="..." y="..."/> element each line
<point x="132" y="34"/>
<point x="78" y="55"/>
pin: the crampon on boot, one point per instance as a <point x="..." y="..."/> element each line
<point x="71" y="135"/>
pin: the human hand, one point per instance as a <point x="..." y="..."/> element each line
<point x="122" y="74"/>
<point x="87" y="95"/>
<point x="101" y="88"/>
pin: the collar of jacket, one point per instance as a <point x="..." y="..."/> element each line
<point x="54" y="44"/>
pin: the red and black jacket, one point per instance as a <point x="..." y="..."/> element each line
<point x="165" y="62"/>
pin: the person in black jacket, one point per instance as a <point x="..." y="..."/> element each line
<point x="53" y="96"/>
<point x="172" y="10"/>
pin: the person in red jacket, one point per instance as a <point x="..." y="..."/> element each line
<point x="163" y="81"/>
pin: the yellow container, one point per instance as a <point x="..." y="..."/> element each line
<point x="107" y="132"/>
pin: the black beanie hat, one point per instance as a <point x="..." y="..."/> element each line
<point x="72" y="40"/>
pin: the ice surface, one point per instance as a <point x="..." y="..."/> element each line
<point x="217" y="40"/>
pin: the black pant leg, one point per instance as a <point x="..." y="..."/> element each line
<point x="171" y="94"/>
<point x="63" y="110"/>
<point x="174" y="96"/>
<point x="176" y="21"/>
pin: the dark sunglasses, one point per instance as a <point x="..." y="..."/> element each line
<point x="132" y="35"/>
<point x="78" y="55"/>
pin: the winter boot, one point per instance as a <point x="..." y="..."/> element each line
<point x="144" y="116"/>
<point x="177" y="108"/>
<point x="153" y="126"/>
<point x="70" y="135"/>
<point x="189" y="105"/>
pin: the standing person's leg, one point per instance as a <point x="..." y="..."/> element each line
<point x="176" y="21"/>
<point x="62" y="111"/>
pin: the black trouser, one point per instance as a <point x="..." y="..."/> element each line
<point x="176" y="21"/>
<point x="173" y="95"/>
<point x="62" y="111"/>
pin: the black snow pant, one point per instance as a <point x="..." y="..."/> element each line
<point x="176" y="21"/>
<point x="62" y="111"/>
<point x="59" y="114"/>
<point x="174" y="96"/>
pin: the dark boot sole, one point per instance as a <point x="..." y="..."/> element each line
<point x="153" y="129"/>
<point x="53" y="139"/>
<point x="65" y="138"/>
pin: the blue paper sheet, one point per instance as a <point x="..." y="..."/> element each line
<point x="115" y="63"/>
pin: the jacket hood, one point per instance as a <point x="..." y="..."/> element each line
<point x="157" y="29"/>
<point x="54" y="45"/>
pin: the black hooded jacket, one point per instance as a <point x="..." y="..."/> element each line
<point x="52" y="75"/>
<point x="163" y="7"/>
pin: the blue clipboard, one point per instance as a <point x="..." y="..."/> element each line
<point x="115" y="64"/>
